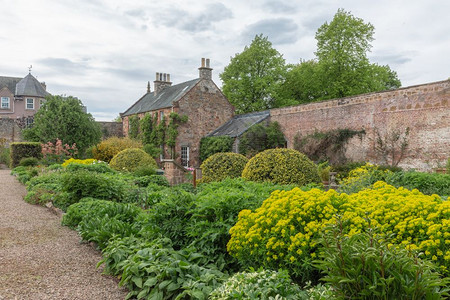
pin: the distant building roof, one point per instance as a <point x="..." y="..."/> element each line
<point x="240" y="124"/>
<point x="30" y="86"/>
<point x="163" y="99"/>
<point x="9" y="82"/>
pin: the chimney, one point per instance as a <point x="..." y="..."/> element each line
<point x="148" y="87"/>
<point x="205" y="72"/>
<point x="162" y="81"/>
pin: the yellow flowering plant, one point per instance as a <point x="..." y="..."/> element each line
<point x="88" y="161"/>
<point x="283" y="232"/>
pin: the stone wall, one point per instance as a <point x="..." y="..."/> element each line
<point x="424" y="109"/>
<point x="110" y="129"/>
<point x="174" y="172"/>
<point x="10" y="130"/>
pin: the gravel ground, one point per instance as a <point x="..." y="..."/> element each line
<point x="40" y="259"/>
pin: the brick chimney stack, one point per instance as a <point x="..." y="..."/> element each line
<point x="205" y="71"/>
<point x="162" y="81"/>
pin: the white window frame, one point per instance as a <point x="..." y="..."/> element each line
<point x="161" y="115"/>
<point x="26" y="103"/>
<point x="8" y="103"/>
<point x="185" y="156"/>
<point x="29" y="122"/>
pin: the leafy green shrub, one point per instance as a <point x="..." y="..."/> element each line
<point x="169" y="274"/>
<point x="102" y="220"/>
<point x="24" y="149"/>
<point x="120" y="248"/>
<point x="216" y="210"/>
<point x="46" y="178"/>
<point x="284" y="231"/>
<point x="100" y="167"/>
<point x="152" y="179"/>
<point x="81" y="184"/>
<point x="144" y="171"/>
<point x="343" y="170"/>
<point x="131" y="159"/>
<point x="222" y="165"/>
<point x="40" y="194"/>
<point x="362" y="178"/>
<point x="214" y="144"/>
<point x="448" y="166"/>
<point x="108" y="148"/>
<point x="261" y="284"/>
<point x="152" y="150"/>
<point x="427" y="183"/>
<point x="166" y="216"/>
<point x="360" y="266"/>
<point x="55" y="167"/>
<point x="29" y="162"/>
<point x="283" y="166"/>
<point x="25" y="174"/>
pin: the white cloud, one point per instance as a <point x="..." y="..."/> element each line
<point x="105" y="51"/>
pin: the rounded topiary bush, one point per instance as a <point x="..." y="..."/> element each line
<point x="283" y="166"/>
<point x="131" y="159"/>
<point x="222" y="165"/>
<point x="108" y="148"/>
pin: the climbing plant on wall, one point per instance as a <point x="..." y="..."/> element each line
<point x="326" y="145"/>
<point x="133" y="130"/>
<point x="260" y="137"/>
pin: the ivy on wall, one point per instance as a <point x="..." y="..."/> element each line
<point x="214" y="144"/>
<point x="155" y="133"/>
<point x="327" y="145"/>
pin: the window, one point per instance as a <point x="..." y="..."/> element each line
<point x="30" y="103"/>
<point x="5" y="102"/>
<point x="29" y="122"/>
<point x="185" y="156"/>
<point x="161" y="115"/>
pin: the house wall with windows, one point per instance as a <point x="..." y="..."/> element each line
<point x="199" y="99"/>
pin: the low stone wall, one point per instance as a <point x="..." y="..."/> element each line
<point x="174" y="172"/>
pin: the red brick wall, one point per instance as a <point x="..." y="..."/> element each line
<point x="425" y="109"/>
<point x="207" y="108"/>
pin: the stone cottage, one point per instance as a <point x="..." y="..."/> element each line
<point x="21" y="98"/>
<point x="199" y="99"/>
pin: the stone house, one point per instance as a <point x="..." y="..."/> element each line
<point x="199" y="99"/>
<point x="21" y="98"/>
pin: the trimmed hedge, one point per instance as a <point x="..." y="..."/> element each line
<point x="283" y="166"/>
<point x="108" y="148"/>
<point x="21" y="150"/>
<point x="222" y="165"/>
<point x="131" y="159"/>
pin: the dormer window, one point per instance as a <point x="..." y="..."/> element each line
<point x="5" y="103"/>
<point x="29" y="103"/>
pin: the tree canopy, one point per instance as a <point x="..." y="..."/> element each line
<point x="341" y="67"/>
<point x="64" y="118"/>
<point x="250" y="80"/>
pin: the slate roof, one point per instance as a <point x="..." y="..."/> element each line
<point x="30" y="86"/>
<point x="163" y="99"/>
<point x="240" y="124"/>
<point x="9" y="82"/>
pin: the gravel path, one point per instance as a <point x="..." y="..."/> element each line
<point x="40" y="259"/>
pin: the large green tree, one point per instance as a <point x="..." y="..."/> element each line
<point x="64" y="118"/>
<point x="251" y="79"/>
<point x="341" y="67"/>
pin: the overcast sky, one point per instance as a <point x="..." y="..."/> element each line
<point x="105" y="51"/>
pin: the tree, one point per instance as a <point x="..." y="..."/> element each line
<point x="251" y="79"/>
<point x="341" y="68"/>
<point x="64" y="118"/>
<point x="342" y="47"/>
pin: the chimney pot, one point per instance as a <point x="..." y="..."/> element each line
<point x="168" y="77"/>
<point x="203" y="62"/>
<point x="207" y="62"/>
<point x="165" y="77"/>
<point x="157" y="76"/>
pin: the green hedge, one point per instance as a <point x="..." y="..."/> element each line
<point x="24" y="149"/>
